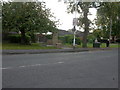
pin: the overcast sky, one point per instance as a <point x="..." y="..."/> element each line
<point x="60" y="12"/>
<point x="59" y="9"/>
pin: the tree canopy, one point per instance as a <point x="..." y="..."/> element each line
<point x="27" y="17"/>
<point x="108" y="18"/>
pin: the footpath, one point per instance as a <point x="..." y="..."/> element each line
<point x="39" y="51"/>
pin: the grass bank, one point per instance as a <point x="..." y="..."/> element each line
<point x="90" y="45"/>
<point x="20" y="46"/>
<point x="6" y="46"/>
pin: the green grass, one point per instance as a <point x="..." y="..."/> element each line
<point x="68" y="45"/>
<point x="39" y="46"/>
<point x="19" y="46"/>
<point x="103" y="45"/>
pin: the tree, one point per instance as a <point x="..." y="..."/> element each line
<point x="108" y="18"/>
<point x="83" y="8"/>
<point x="27" y="17"/>
<point x="97" y="33"/>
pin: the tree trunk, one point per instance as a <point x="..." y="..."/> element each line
<point x="86" y="28"/>
<point x="23" y="38"/>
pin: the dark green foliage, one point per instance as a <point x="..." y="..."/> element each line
<point x="91" y="38"/>
<point x="62" y="39"/>
<point x="28" y="39"/>
<point x="17" y="38"/>
<point x="118" y="40"/>
<point x="27" y="17"/>
<point x="108" y="17"/>
<point x="5" y="36"/>
<point x="78" y="41"/>
<point x="69" y="39"/>
<point x="32" y="37"/>
<point x="14" y="38"/>
<point x="48" y="36"/>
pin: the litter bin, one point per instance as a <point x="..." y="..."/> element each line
<point x="96" y="45"/>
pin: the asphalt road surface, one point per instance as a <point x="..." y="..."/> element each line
<point x="91" y="69"/>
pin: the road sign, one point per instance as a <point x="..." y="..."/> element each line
<point x="75" y="21"/>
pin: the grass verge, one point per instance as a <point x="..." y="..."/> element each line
<point x="9" y="46"/>
<point x="19" y="46"/>
<point x="103" y="45"/>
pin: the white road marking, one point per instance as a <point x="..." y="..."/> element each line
<point x="31" y="65"/>
<point x="21" y="66"/>
<point x="6" y="68"/>
<point x="60" y="62"/>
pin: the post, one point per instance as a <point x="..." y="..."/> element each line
<point x="74" y="40"/>
<point x="74" y="30"/>
<point x="75" y="22"/>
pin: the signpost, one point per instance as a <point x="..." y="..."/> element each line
<point x="74" y="29"/>
<point x="75" y="22"/>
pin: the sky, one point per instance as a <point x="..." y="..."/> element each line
<point x="60" y="12"/>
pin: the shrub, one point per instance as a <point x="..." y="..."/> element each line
<point x="28" y="39"/>
<point x="14" y="38"/>
<point x="61" y="38"/>
<point x="33" y="37"/>
<point x="118" y="40"/>
<point x="48" y="36"/>
<point x="69" y="39"/>
<point x="78" y="41"/>
<point x="91" y="38"/>
<point x="17" y="38"/>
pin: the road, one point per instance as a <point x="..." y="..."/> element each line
<point x="91" y="69"/>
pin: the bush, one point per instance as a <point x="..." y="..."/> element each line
<point x="14" y="38"/>
<point x="78" y="41"/>
<point x="28" y="39"/>
<point x="69" y="39"/>
<point x="17" y="38"/>
<point x="33" y="37"/>
<point x="48" y="36"/>
<point x="61" y="38"/>
<point x="91" y="38"/>
<point x="118" y="40"/>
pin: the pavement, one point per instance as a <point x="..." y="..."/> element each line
<point x="38" y="51"/>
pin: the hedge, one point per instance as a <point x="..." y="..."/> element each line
<point x="69" y="39"/>
<point x="14" y="38"/>
<point x="17" y="38"/>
